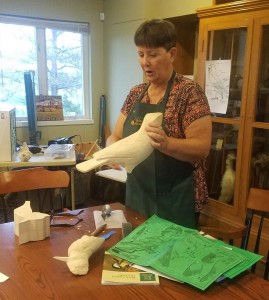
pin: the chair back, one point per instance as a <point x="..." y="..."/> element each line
<point x="228" y="236"/>
<point x="31" y="179"/>
<point x="257" y="205"/>
<point x="258" y="200"/>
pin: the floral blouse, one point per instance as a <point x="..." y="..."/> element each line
<point x="187" y="103"/>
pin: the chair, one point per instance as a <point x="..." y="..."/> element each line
<point x="257" y="205"/>
<point x="228" y="236"/>
<point x="32" y="179"/>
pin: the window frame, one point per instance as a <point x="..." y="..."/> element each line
<point x="77" y="27"/>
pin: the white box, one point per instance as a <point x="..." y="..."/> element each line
<point x="8" y="134"/>
<point x="58" y="151"/>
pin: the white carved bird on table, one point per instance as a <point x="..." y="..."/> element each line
<point x="79" y="253"/>
<point x="24" y="153"/>
<point x="128" y="152"/>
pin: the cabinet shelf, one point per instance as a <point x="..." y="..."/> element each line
<point x="222" y="120"/>
<point x="261" y="125"/>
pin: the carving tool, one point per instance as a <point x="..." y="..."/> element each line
<point x="106" y="211"/>
<point x="107" y="235"/>
<point x="98" y="230"/>
<point x="126" y="229"/>
<point x="91" y="149"/>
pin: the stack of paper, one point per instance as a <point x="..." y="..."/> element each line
<point x="114" y="220"/>
<point x="182" y="253"/>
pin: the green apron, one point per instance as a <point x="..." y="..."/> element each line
<point x="159" y="185"/>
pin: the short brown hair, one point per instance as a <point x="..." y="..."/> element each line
<point x="156" y="33"/>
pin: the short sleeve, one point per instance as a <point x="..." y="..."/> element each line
<point x="196" y="105"/>
<point x="131" y="98"/>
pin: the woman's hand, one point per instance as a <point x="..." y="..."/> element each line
<point x="158" y="138"/>
<point x="195" y="145"/>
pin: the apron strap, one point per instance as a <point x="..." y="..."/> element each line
<point x="167" y="92"/>
<point x="169" y="85"/>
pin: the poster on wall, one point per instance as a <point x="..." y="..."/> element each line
<point x="217" y="84"/>
<point x="49" y="108"/>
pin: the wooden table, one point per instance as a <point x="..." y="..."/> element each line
<point x="34" y="274"/>
<point x="39" y="160"/>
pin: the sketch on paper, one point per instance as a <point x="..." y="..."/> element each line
<point x="217" y="84"/>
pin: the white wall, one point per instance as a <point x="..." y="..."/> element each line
<point x="70" y="10"/>
<point x="173" y="8"/>
<point x="122" y="70"/>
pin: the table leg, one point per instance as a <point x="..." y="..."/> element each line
<point x="72" y="183"/>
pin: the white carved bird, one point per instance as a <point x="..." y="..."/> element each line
<point x="128" y="152"/>
<point x="228" y="180"/>
<point x="79" y="253"/>
<point x="24" y="153"/>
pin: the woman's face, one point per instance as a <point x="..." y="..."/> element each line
<point x="156" y="63"/>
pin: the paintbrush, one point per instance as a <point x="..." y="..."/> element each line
<point x="91" y="149"/>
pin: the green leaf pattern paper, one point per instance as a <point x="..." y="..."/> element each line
<point x="178" y="252"/>
<point x="250" y="259"/>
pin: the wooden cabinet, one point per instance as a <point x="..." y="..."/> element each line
<point x="235" y="36"/>
<point x="187" y="33"/>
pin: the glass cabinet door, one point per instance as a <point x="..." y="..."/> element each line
<point x="228" y="45"/>
<point x="259" y="175"/>
<point x="226" y="48"/>
<point x="236" y="37"/>
<point x="262" y="103"/>
<point x="221" y="162"/>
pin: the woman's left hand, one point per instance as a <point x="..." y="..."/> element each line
<point x="158" y="138"/>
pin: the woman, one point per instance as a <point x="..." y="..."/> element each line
<point x="171" y="182"/>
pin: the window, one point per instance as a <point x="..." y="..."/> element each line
<point x="57" y="52"/>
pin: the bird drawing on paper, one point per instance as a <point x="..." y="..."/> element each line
<point x="128" y="152"/>
<point x="24" y="153"/>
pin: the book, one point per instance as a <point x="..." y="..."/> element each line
<point x="120" y="271"/>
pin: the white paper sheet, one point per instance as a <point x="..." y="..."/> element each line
<point x="3" y="277"/>
<point x="115" y="220"/>
<point x="117" y="175"/>
<point x="217" y="84"/>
